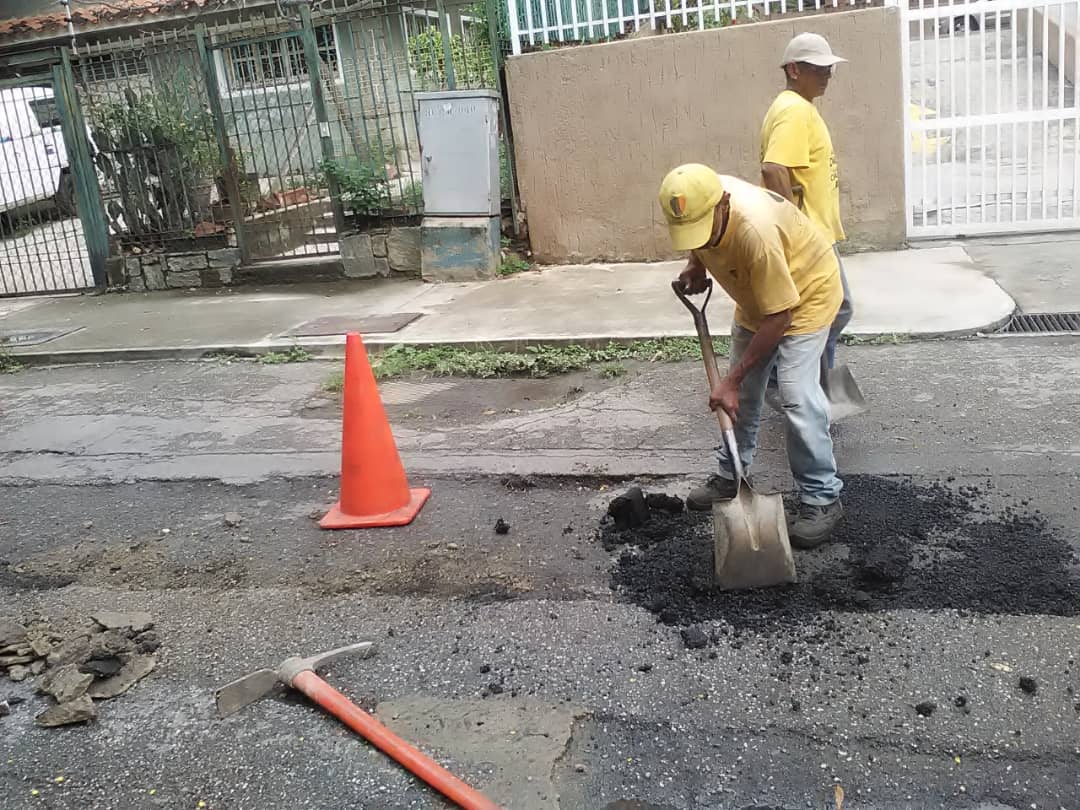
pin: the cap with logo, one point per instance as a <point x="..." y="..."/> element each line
<point x="688" y="196"/>
<point x="811" y="48"/>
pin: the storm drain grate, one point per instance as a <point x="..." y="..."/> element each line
<point x="1043" y="322"/>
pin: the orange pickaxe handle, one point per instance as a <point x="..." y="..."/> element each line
<point x="389" y="743"/>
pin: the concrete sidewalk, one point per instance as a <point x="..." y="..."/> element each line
<point x="924" y="293"/>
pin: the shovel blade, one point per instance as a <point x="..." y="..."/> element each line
<point x="238" y="694"/>
<point x="845" y="398"/>
<point x="751" y="548"/>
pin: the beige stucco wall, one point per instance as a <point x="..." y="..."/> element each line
<point x="596" y="128"/>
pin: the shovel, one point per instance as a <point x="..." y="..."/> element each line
<point x="750" y="539"/>
<point x="845" y="398"/>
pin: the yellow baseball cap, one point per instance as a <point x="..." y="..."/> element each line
<point x="688" y="197"/>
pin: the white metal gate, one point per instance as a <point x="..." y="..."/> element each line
<point x="993" y="122"/>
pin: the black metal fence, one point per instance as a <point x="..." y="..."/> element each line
<point x="42" y="248"/>
<point x="266" y="131"/>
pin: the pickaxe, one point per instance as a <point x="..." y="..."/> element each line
<point x="299" y="673"/>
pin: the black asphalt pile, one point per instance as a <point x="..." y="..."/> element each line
<point x="75" y="668"/>
<point x="640" y="519"/>
<point x="901" y="545"/>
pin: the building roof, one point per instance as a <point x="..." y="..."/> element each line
<point x="91" y="15"/>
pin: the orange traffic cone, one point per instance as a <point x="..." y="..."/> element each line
<point x="374" y="490"/>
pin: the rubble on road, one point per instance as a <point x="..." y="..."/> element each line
<point x="96" y="660"/>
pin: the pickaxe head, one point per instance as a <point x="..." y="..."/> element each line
<point x="238" y="694"/>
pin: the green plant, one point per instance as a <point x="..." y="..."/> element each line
<point x="612" y="370"/>
<point x="293" y="354"/>
<point x="889" y="339"/>
<point x="481" y="24"/>
<point x="362" y="184"/>
<point x="8" y="363"/>
<point x="158" y="147"/>
<point x="505" y="171"/>
<point x="711" y="19"/>
<point x="472" y="62"/>
<point x="413" y="196"/>
<point x="534" y="361"/>
<point x="335" y="383"/>
<point x="511" y="265"/>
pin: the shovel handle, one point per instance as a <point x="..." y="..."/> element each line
<point x="389" y="743"/>
<point x="708" y="356"/>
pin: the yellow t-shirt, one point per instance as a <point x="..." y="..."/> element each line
<point x="771" y="257"/>
<point x="794" y="135"/>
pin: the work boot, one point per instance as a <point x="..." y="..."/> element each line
<point x="812" y="525"/>
<point x="717" y="488"/>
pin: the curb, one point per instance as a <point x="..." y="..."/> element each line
<point x="334" y="348"/>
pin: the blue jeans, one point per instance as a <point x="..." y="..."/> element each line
<point x="797" y="362"/>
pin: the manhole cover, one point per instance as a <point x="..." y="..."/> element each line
<point x="34" y="337"/>
<point x="342" y="324"/>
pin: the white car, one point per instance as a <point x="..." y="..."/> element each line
<point x="33" y="159"/>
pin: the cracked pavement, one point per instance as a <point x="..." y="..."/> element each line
<point x="595" y="702"/>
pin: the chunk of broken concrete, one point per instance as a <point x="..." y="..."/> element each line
<point x="131" y="673"/>
<point x="232" y="519"/>
<point x="12" y="660"/>
<point x="11" y="633"/>
<point x="5" y="708"/>
<point x="75" y="650"/>
<point x="41" y="647"/>
<point x="79" y="710"/>
<point x="102" y="667"/>
<point x="19" y="673"/>
<point x="148" y="642"/>
<point x="111" y="620"/>
<point x="65" y="683"/>
<point x="110" y="644"/>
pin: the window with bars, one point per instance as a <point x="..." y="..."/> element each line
<point x="107" y="67"/>
<point x="277" y="61"/>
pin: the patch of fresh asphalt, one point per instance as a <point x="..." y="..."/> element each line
<point x="758" y="719"/>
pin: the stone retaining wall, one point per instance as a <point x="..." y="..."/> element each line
<point x="370" y="254"/>
<point x="381" y="252"/>
<point x="169" y="271"/>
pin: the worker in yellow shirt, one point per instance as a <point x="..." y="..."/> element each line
<point x="797" y="158"/>
<point x="783" y="275"/>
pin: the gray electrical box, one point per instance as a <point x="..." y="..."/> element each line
<point x="459" y="147"/>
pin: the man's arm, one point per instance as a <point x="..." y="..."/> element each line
<point x="776" y="296"/>
<point x="777" y="178"/>
<point x="786" y="147"/>
<point x="763" y="344"/>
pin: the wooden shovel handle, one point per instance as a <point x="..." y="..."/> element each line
<point x="701" y="325"/>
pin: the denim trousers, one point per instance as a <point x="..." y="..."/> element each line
<point x="797" y="363"/>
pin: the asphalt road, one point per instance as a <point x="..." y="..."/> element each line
<point x="511" y="657"/>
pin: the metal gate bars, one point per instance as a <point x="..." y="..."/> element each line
<point x="992" y="125"/>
